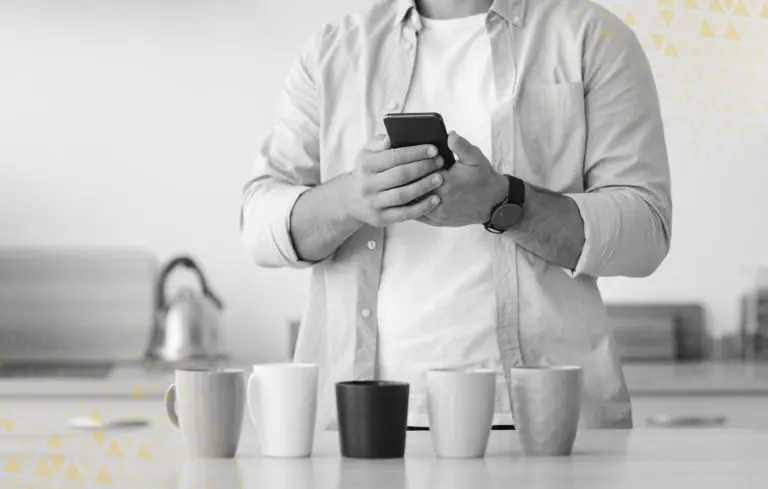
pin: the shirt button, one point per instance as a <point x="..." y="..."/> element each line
<point x="371" y="245"/>
<point x="366" y="313"/>
<point x="516" y="20"/>
<point x="393" y="106"/>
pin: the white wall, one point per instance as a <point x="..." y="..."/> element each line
<point x="134" y="122"/>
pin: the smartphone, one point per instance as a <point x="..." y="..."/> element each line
<point x="416" y="128"/>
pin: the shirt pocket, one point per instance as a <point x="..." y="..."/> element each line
<point x="552" y="129"/>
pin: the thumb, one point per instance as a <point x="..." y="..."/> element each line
<point x="378" y="143"/>
<point x="468" y="153"/>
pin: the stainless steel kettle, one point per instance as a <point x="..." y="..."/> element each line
<point x="187" y="326"/>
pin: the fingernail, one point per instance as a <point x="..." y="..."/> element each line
<point x="437" y="180"/>
<point x="434" y="200"/>
<point x="431" y="152"/>
<point x="439" y="161"/>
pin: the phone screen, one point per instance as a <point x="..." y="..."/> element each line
<point x="413" y="129"/>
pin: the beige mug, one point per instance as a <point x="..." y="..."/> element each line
<point x="207" y="407"/>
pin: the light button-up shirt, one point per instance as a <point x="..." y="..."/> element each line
<point x="576" y="112"/>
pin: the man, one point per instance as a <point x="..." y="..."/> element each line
<point x="562" y="177"/>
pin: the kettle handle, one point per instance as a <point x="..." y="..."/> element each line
<point x="189" y="263"/>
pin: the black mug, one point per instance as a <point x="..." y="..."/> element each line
<point x="373" y="418"/>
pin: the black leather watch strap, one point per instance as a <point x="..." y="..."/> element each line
<point x="516" y="193"/>
<point x="515" y="200"/>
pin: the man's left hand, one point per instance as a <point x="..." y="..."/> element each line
<point x="471" y="189"/>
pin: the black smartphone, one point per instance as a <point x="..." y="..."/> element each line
<point x="416" y="128"/>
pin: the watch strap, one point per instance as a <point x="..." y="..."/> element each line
<point x="516" y="193"/>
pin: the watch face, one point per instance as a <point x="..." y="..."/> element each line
<point x="506" y="216"/>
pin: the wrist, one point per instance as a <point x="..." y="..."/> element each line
<point x="499" y="192"/>
<point x="346" y="204"/>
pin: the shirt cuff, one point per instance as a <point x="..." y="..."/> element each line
<point x="600" y="216"/>
<point x="270" y="234"/>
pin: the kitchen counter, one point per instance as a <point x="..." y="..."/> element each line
<point x="38" y="450"/>
<point x="642" y="380"/>
<point x="697" y="378"/>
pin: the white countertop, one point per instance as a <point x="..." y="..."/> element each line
<point x="38" y="450"/>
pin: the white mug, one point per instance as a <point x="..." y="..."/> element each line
<point x="282" y="403"/>
<point x="460" y="406"/>
<point x="207" y="407"/>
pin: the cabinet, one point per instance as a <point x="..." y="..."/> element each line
<point x="739" y="411"/>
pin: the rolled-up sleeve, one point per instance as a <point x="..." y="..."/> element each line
<point x="626" y="205"/>
<point x="287" y="165"/>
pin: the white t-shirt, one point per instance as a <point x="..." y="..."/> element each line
<point x="437" y="305"/>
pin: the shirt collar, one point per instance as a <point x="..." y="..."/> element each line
<point x="512" y="11"/>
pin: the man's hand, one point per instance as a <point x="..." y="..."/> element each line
<point x="471" y="188"/>
<point x="384" y="186"/>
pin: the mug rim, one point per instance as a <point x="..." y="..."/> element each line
<point x="545" y="368"/>
<point x="462" y="371"/>
<point x="210" y="371"/>
<point x="362" y="384"/>
<point x="290" y="365"/>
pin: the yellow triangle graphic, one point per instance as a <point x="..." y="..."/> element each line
<point x="671" y="50"/>
<point x="144" y="453"/>
<point x="731" y="34"/>
<point x="57" y="460"/>
<point x="136" y="392"/>
<point x="72" y="473"/>
<point x="658" y="40"/>
<point x="706" y="30"/>
<point x="741" y="9"/>
<point x="692" y="4"/>
<point x="99" y="436"/>
<point x="714" y="6"/>
<point x="12" y="466"/>
<point x="42" y="469"/>
<point x="629" y="19"/>
<point x="7" y="425"/>
<point x="96" y="416"/>
<point x="102" y="477"/>
<point x="668" y="16"/>
<point x="114" y="449"/>
<point x="55" y="442"/>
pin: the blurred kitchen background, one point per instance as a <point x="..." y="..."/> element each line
<point x="127" y="131"/>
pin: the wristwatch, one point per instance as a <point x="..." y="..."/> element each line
<point x="506" y="214"/>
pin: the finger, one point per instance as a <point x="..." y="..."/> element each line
<point x="408" y="212"/>
<point x="466" y="151"/>
<point x="402" y="195"/>
<point x="378" y="143"/>
<point x="405" y="173"/>
<point x="395" y="157"/>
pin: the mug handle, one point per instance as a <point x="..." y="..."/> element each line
<point x="170" y="405"/>
<point x="252" y="400"/>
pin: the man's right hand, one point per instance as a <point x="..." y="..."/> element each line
<point x="384" y="186"/>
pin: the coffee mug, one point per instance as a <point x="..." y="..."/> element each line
<point x="282" y="403"/>
<point x="207" y="407"/>
<point x="460" y="408"/>
<point x="546" y="405"/>
<point x="373" y="417"/>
